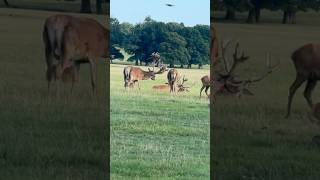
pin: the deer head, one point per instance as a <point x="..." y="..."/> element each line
<point x="227" y="81"/>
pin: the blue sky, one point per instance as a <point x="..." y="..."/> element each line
<point x="189" y="12"/>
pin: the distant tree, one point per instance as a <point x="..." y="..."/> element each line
<point x="85" y="6"/>
<point x="173" y="49"/>
<point x="177" y="44"/>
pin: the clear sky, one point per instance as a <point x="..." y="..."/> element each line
<point x="189" y="12"/>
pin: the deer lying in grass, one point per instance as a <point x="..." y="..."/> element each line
<point x="306" y="60"/>
<point x="131" y="75"/>
<point x="226" y="82"/>
<point x="180" y="85"/>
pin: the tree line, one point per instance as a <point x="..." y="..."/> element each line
<point x="176" y="43"/>
<point x="253" y="7"/>
<point x="85" y="5"/>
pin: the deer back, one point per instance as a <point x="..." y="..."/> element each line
<point x="307" y="60"/>
<point x="85" y="38"/>
<point x="172" y="76"/>
<point x="205" y="80"/>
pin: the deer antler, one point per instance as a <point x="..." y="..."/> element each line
<point x="236" y="59"/>
<point x="270" y="69"/>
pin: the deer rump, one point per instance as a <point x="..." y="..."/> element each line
<point x="72" y="41"/>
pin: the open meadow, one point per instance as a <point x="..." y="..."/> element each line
<point x="252" y="139"/>
<point x="156" y="135"/>
<point x="43" y="136"/>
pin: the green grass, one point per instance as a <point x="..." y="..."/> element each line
<point x="252" y="139"/>
<point x="41" y="136"/>
<point x="157" y="135"/>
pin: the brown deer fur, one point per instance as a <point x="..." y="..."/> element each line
<point x="306" y="60"/>
<point x="75" y="40"/>
<point x="172" y="78"/>
<point x="205" y="84"/>
<point x="131" y="75"/>
<point x="214" y="46"/>
<point x="161" y="87"/>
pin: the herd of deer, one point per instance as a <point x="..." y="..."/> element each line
<point x="132" y="75"/>
<point x="71" y="41"/>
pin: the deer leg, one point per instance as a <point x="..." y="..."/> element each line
<point x="49" y="72"/>
<point x="207" y="88"/>
<point x="311" y="84"/>
<point x="201" y="90"/>
<point x="93" y="68"/>
<point x="295" y="85"/>
<point x="76" y="75"/>
<point x="138" y="85"/>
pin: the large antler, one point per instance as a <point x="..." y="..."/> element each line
<point x="236" y="59"/>
<point x="270" y="69"/>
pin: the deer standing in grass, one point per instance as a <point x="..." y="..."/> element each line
<point x="172" y="77"/>
<point x="306" y="60"/>
<point x="133" y="75"/>
<point x="74" y="40"/>
<point x="205" y="80"/>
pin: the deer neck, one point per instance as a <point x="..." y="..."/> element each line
<point x="147" y="75"/>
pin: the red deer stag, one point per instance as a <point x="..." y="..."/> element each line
<point x="172" y="77"/>
<point x="131" y="75"/>
<point x="306" y="60"/>
<point x="82" y="40"/>
<point x="227" y="83"/>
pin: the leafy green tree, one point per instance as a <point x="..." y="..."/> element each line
<point x="173" y="50"/>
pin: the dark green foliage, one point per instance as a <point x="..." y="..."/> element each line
<point x="176" y="43"/>
<point x="289" y="8"/>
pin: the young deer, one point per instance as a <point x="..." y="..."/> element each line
<point x="306" y="60"/>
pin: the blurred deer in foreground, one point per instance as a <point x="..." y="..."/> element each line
<point x="214" y="46"/>
<point x="226" y="82"/>
<point x="306" y="60"/>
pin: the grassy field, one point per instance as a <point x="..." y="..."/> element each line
<point x="252" y="139"/>
<point x="157" y="135"/>
<point x="42" y="136"/>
